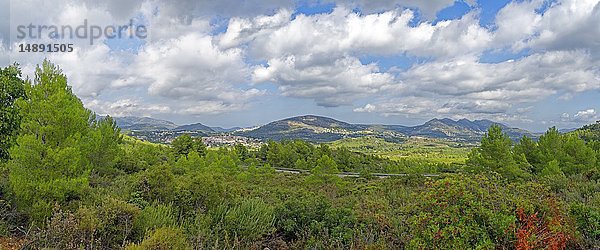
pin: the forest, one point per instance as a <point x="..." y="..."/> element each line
<point x="71" y="180"/>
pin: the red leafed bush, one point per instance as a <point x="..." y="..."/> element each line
<point x="548" y="231"/>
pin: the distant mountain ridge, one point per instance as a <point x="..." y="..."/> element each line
<point x="143" y="123"/>
<point x="324" y="129"/>
<point x="195" y="127"/>
<point x="153" y="124"/>
<point x="463" y="128"/>
<point x="307" y="127"/>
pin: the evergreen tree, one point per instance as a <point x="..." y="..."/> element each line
<point x="326" y="165"/>
<point x="528" y="148"/>
<point x="49" y="164"/>
<point x="185" y="144"/>
<point x="104" y="143"/>
<point x="12" y="87"/>
<point x="495" y="154"/>
<point x="550" y="147"/>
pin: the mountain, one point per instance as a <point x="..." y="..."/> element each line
<point x="224" y="130"/>
<point x="195" y="127"/>
<point x="323" y="129"/>
<point x="463" y="129"/>
<point x="143" y="123"/>
<point x="308" y="127"/>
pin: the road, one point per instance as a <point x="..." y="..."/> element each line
<point x="346" y="174"/>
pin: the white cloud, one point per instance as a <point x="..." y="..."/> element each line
<point x="586" y="115"/>
<point x="464" y="86"/>
<point x="564" y="25"/>
<point x="126" y="107"/>
<point x="582" y="116"/>
<point x="191" y="69"/>
<point x="527" y="79"/>
<point x="344" y="31"/>
<point x="314" y="56"/>
<point x="330" y="82"/>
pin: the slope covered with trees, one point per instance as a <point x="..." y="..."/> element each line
<point x="72" y="181"/>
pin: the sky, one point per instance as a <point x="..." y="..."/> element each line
<point x="528" y="64"/>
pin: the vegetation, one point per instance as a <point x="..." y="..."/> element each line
<point x="72" y="181"/>
<point x="416" y="149"/>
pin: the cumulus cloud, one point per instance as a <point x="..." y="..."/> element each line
<point x="191" y="68"/>
<point x="313" y="56"/>
<point x="344" y="31"/>
<point x="582" y="116"/>
<point x="532" y="77"/>
<point x="466" y="86"/>
<point x="126" y="107"/>
<point x="563" y="25"/>
<point x="333" y="82"/>
<point x="211" y="57"/>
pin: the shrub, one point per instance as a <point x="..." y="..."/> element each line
<point x="153" y="217"/>
<point x="162" y="239"/>
<point x="248" y="220"/>
<point x="116" y="222"/>
<point x="157" y="184"/>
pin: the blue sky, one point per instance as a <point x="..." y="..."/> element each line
<point x="531" y="64"/>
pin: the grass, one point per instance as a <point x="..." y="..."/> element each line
<point x="414" y="148"/>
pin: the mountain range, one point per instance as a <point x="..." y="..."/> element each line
<point x="324" y="129"/>
<point x="133" y="123"/>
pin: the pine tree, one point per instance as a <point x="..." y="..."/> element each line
<point x="58" y="145"/>
<point x="495" y="154"/>
<point x="12" y="88"/>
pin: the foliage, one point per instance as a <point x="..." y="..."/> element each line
<point x="163" y="238"/>
<point x="496" y="154"/>
<point x="12" y="88"/>
<point x="185" y="144"/>
<point x="248" y="221"/>
<point x="154" y="217"/>
<point x="74" y="182"/>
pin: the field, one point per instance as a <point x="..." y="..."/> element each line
<point x="414" y="148"/>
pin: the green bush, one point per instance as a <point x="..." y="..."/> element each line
<point x="157" y="184"/>
<point x="153" y="217"/>
<point x="116" y="220"/>
<point x="248" y="221"/>
<point x="162" y="239"/>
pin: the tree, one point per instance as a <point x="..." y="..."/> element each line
<point x="12" y="88"/>
<point x="185" y="144"/>
<point x="550" y="147"/>
<point x="495" y="154"/>
<point x="326" y="165"/>
<point x="241" y="151"/>
<point x="578" y="157"/>
<point x="50" y="164"/>
<point x="104" y="143"/>
<point x="528" y="148"/>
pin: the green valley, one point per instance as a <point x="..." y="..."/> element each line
<point x="72" y="180"/>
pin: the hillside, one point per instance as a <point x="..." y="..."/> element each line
<point x="308" y="127"/>
<point x="195" y="127"/>
<point x="462" y="129"/>
<point x="318" y="129"/>
<point x="589" y="132"/>
<point x="143" y="123"/>
<point x="324" y="129"/>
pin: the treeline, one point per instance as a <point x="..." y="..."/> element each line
<point x="72" y="181"/>
<point x="553" y="156"/>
